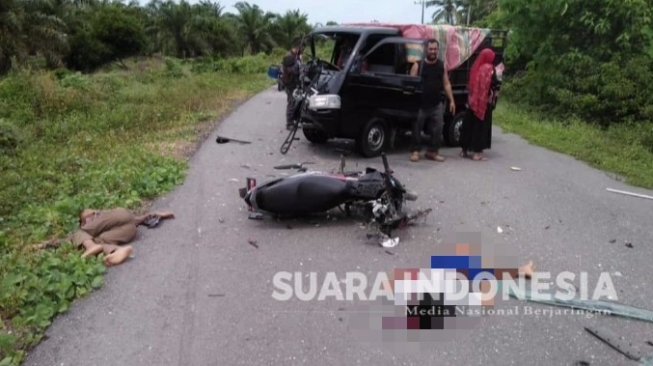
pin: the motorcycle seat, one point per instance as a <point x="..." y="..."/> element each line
<point x="302" y="194"/>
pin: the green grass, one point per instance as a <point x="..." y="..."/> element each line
<point x="68" y="141"/>
<point x="625" y="149"/>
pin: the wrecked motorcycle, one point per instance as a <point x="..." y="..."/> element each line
<point x="377" y="195"/>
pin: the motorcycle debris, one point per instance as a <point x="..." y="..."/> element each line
<point x="389" y="252"/>
<point x="499" y="230"/>
<point x="613" y="241"/>
<point x="516" y="169"/>
<point x="253" y="243"/>
<point x="618" y="343"/>
<point x="226" y="140"/>
<point x="629" y="245"/>
<point x="390" y="242"/>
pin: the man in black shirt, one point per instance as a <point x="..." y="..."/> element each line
<point x="290" y="80"/>
<point x="431" y="112"/>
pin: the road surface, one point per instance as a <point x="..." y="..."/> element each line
<point x="197" y="293"/>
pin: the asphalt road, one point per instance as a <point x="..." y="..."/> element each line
<point x="197" y="293"/>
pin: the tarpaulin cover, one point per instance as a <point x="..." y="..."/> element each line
<point x="457" y="43"/>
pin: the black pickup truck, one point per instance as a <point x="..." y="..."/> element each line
<point x="362" y="88"/>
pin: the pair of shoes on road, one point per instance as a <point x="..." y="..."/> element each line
<point x="414" y="157"/>
<point x="476" y="157"/>
<point x="479" y="157"/>
<point x="434" y="156"/>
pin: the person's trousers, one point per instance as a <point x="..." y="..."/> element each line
<point x="115" y="226"/>
<point x="290" y="105"/>
<point x="433" y="120"/>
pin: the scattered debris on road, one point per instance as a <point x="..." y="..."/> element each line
<point x="601" y="307"/>
<point x="547" y="227"/>
<point x="389" y="252"/>
<point x="629" y="245"/>
<point x="516" y="169"/>
<point x="221" y="220"/>
<point x="613" y="241"/>
<point x="527" y="270"/>
<point x="390" y="242"/>
<point x="629" y="193"/>
<point x="225" y="140"/>
<point x="618" y="343"/>
<point x="499" y="230"/>
<point x="253" y="243"/>
<point x="581" y="363"/>
<point x="216" y="295"/>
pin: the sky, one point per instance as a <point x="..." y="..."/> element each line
<point x="344" y="11"/>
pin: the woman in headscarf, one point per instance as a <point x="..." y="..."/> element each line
<point x="476" y="130"/>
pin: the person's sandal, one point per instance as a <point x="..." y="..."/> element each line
<point x="478" y="157"/>
<point x="434" y="157"/>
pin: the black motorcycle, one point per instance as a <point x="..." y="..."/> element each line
<point x="378" y="196"/>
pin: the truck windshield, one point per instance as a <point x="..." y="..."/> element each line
<point x="334" y="47"/>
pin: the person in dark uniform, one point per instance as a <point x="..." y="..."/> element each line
<point x="431" y="113"/>
<point x="476" y="130"/>
<point x="290" y="79"/>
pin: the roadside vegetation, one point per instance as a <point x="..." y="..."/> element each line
<point x="625" y="149"/>
<point x="101" y="103"/>
<point x="116" y="138"/>
<point x="579" y="78"/>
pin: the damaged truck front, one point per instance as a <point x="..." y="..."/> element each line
<point x="361" y="87"/>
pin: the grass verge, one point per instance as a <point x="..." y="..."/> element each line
<point x="625" y="149"/>
<point x="68" y="141"/>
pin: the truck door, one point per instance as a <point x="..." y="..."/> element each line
<point x="379" y="82"/>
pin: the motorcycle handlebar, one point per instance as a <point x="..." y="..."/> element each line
<point x="386" y="166"/>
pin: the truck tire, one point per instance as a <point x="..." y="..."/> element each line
<point x="315" y="136"/>
<point x="453" y="130"/>
<point x="373" y="138"/>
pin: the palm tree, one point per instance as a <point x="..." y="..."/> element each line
<point x="290" y="27"/>
<point x="27" y="28"/>
<point x="472" y="11"/>
<point x="447" y="10"/>
<point x="255" y="25"/>
<point x="11" y="44"/>
<point x="170" y="25"/>
<point x="45" y="32"/>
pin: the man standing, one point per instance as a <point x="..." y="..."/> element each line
<point x="290" y="81"/>
<point x="431" y="112"/>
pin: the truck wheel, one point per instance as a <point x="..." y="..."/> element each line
<point x="373" y="138"/>
<point x="453" y="130"/>
<point x="315" y="136"/>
